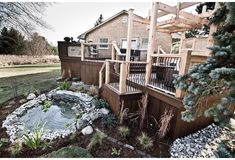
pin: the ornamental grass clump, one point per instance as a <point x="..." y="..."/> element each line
<point x="124" y="131"/>
<point x="97" y="139"/>
<point x="145" y="141"/>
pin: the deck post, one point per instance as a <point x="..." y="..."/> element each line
<point x="213" y="28"/>
<point x="182" y="40"/>
<point x="107" y="72"/>
<point x="82" y="51"/>
<point x="152" y="41"/>
<point x="184" y="66"/>
<point x="129" y="34"/>
<point x="113" y="50"/>
<point x="123" y="76"/>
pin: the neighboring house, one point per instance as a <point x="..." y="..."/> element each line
<point x="115" y="29"/>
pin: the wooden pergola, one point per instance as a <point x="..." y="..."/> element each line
<point x="182" y="21"/>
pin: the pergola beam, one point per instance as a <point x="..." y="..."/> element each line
<point x="182" y="6"/>
<point x="176" y="10"/>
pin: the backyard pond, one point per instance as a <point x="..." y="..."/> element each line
<point x="57" y="117"/>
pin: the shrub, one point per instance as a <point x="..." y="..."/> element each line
<point x="16" y="148"/>
<point x="92" y="90"/>
<point x="101" y="103"/>
<point x="145" y="141"/>
<point x="64" y="85"/>
<point x="97" y="139"/>
<point x="116" y="152"/>
<point x="47" y="104"/>
<point x="34" y="141"/>
<point x="226" y="149"/>
<point x="124" y="131"/>
<point x="79" y="115"/>
<point x="67" y="39"/>
<point x="109" y="120"/>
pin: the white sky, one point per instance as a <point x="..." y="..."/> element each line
<point x="73" y="18"/>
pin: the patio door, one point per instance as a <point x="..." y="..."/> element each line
<point x="134" y="43"/>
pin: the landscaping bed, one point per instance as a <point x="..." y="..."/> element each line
<point x="113" y="145"/>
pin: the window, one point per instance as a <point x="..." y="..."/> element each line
<point x="144" y="43"/>
<point x="104" y="44"/>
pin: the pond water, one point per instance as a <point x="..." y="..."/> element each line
<point x="58" y="117"/>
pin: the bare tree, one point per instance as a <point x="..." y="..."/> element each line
<point x="23" y="16"/>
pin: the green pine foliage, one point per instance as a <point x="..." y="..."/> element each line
<point x="109" y="121"/>
<point x="226" y="149"/>
<point x="11" y="41"/>
<point x="216" y="76"/>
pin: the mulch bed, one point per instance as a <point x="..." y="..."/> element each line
<point x="160" y="148"/>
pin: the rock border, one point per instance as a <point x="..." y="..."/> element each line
<point x="15" y="128"/>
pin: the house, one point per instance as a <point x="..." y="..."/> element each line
<point x="115" y="29"/>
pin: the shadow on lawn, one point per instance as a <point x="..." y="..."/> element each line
<point x="11" y="87"/>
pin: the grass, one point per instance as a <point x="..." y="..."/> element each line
<point x="21" y="80"/>
<point x="27" y="69"/>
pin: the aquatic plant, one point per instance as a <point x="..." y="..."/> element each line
<point x="34" y="141"/>
<point x="46" y="105"/>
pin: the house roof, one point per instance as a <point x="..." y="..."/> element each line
<point x="106" y="21"/>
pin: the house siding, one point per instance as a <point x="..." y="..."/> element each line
<point x="115" y="29"/>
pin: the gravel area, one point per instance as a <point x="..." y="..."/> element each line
<point x="201" y="144"/>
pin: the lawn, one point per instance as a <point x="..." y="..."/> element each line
<point x="21" y="80"/>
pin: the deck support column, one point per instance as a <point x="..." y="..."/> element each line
<point x="107" y="72"/>
<point x="123" y="76"/>
<point x="184" y="66"/>
<point x="129" y="34"/>
<point x="113" y="50"/>
<point x="82" y="50"/>
<point x="152" y="41"/>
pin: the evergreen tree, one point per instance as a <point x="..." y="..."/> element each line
<point x="11" y="42"/>
<point x="100" y="20"/>
<point x="216" y="76"/>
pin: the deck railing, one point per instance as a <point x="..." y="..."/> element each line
<point x="163" y="68"/>
<point x="130" y="76"/>
<point x="92" y="51"/>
